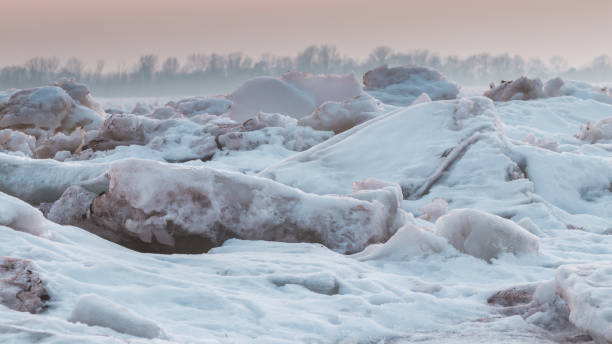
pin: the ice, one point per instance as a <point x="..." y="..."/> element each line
<point x="522" y="88"/>
<point x="16" y="141"/>
<point x="46" y="110"/>
<point x="94" y="310"/>
<point x="485" y="235"/>
<point x="410" y="146"/>
<point x="403" y="85"/>
<point x="409" y="242"/>
<point x="600" y="131"/>
<point x="341" y="116"/>
<point x="21" y="287"/>
<point x="205" y="207"/>
<point x="587" y="288"/>
<point x="201" y="105"/>
<point x="163" y="184"/>
<point x="432" y="211"/>
<point x="20" y="216"/>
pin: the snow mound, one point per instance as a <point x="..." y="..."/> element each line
<point x="94" y="310"/>
<point x="43" y="111"/>
<point x="410" y="146"/>
<point x="159" y="207"/>
<point x="201" y="105"/>
<point x="21" y="287"/>
<point x="341" y="116"/>
<point x="324" y="88"/>
<point x="20" y="216"/>
<point x="269" y="94"/>
<point x="16" y="141"/>
<point x="600" y="131"/>
<point x="484" y="235"/>
<point x="409" y="242"/>
<point x="402" y="85"/>
<point x="522" y="88"/>
<point x="586" y="288"/>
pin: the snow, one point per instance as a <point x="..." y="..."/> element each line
<point x="402" y="85"/>
<point x="268" y="94"/>
<point x="485" y="236"/>
<point x="365" y="150"/>
<point x="587" y="288"/>
<point x="324" y="88"/>
<point x="94" y="310"/>
<point x="538" y="200"/>
<point x="20" y="216"/>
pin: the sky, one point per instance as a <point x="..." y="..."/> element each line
<point x="119" y="31"/>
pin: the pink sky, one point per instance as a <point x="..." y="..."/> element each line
<point x="119" y="31"/>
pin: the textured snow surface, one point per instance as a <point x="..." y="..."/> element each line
<point x="587" y="289"/>
<point x="467" y="220"/>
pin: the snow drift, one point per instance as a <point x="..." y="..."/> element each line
<point x="94" y="310"/>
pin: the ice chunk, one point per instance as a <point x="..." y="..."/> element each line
<point x="423" y="98"/>
<point x="341" y="116"/>
<point x="94" y="310"/>
<point x="484" y="235"/>
<point x="61" y="142"/>
<point x="522" y="88"/>
<point x="263" y="120"/>
<point x="586" y="288"/>
<point x="409" y="242"/>
<point x="80" y="93"/>
<point x="403" y="85"/>
<point x="20" y="216"/>
<point x="600" y="131"/>
<point x="201" y="105"/>
<point x="37" y="181"/>
<point x="161" y="207"/>
<point x="16" y="141"/>
<point x="433" y="210"/>
<point x="43" y="111"/>
<point x="21" y="287"/>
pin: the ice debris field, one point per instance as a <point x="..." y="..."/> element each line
<point x="309" y="209"/>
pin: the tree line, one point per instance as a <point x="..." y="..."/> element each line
<point x="217" y="73"/>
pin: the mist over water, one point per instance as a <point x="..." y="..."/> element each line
<point x="221" y="73"/>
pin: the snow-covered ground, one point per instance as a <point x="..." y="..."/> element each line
<point x="465" y="220"/>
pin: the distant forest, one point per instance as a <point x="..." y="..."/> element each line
<point x="215" y="73"/>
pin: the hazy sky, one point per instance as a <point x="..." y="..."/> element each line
<point x="119" y="31"/>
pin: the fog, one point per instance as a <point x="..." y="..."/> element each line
<point x="216" y="73"/>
